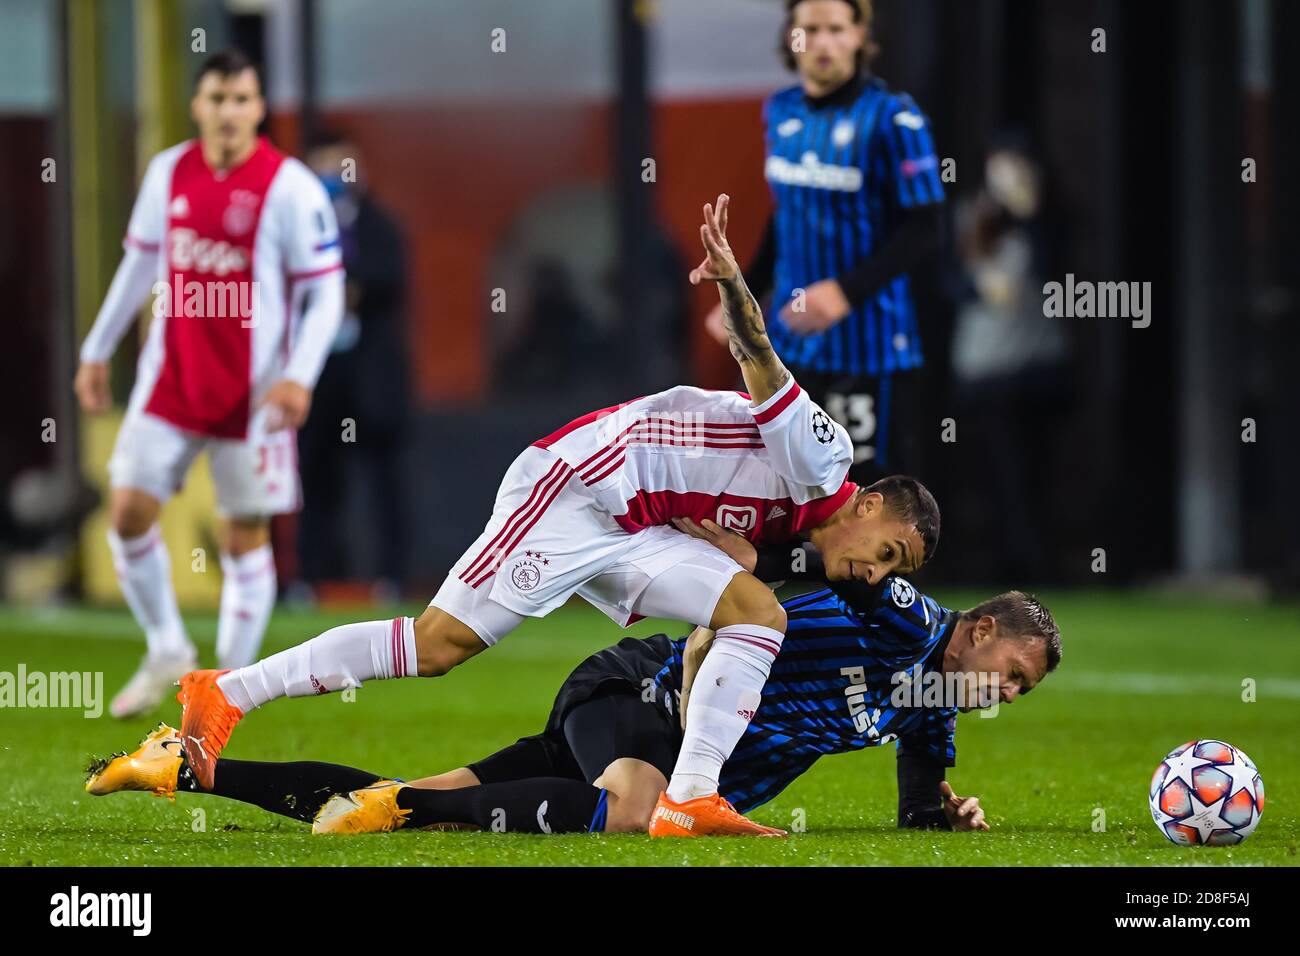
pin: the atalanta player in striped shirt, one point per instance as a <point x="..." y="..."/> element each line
<point x="863" y="666"/>
<point x="858" y="203"/>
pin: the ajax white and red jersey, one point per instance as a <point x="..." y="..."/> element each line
<point x="587" y="510"/>
<point x="236" y="252"/>
<point x="768" y="472"/>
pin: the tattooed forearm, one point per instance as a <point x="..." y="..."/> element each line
<point x="761" y="367"/>
<point x="743" y="321"/>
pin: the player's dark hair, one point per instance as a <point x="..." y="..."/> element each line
<point x="1024" y="617"/>
<point x="862" y="13"/>
<point x="227" y="63"/>
<point x="910" y="502"/>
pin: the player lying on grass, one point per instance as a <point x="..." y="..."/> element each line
<point x="841" y="683"/>
<point x="588" y="510"/>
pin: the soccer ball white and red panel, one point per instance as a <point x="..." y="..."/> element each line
<point x="1206" y="792"/>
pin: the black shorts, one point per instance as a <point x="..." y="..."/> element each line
<point x="600" y="715"/>
<point x="878" y="414"/>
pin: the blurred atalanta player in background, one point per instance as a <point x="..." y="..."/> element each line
<point x="858" y="203"/>
<point x="232" y="231"/>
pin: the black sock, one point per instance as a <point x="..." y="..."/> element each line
<point x="295" y="790"/>
<point x="511" y="807"/>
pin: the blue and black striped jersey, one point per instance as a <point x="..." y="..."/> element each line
<point x="833" y="688"/>
<point x="841" y="174"/>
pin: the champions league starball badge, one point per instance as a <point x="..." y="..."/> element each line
<point x="822" y="427"/>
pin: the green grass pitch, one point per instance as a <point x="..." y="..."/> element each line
<point x="1140" y="675"/>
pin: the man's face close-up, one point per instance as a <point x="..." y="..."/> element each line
<point x="870" y="544"/>
<point x="997" y="668"/>
<point x="830" y="40"/>
<point x="228" y="109"/>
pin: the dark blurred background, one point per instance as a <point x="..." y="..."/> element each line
<point x="543" y="275"/>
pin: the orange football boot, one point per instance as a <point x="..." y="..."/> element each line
<point x="207" y="720"/>
<point x="704" y="816"/>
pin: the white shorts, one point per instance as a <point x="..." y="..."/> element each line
<point x="548" y="540"/>
<point x="254" y="478"/>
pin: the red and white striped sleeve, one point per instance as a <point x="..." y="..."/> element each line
<point x="804" y="444"/>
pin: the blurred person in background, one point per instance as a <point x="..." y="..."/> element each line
<point x="225" y="231"/>
<point x="1011" y="363"/>
<point x="366" y="382"/>
<point x="858" y="204"/>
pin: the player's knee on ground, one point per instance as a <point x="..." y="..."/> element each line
<point x="442" y="642"/>
<point x="634" y="787"/>
<point x="747" y="600"/>
<point x="132" y="512"/>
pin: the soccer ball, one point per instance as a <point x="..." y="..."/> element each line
<point x="1206" y="792"/>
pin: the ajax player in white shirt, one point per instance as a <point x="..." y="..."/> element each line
<point x="601" y="509"/>
<point x="239" y="246"/>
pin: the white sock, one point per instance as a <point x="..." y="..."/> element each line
<point x="247" y="597"/>
<point x="341" y="657"/>
<point x="144" y="572"/>
<point x="724" y="697"/>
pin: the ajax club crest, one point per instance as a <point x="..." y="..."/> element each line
<point x="526" y="573"/>
<point x="241" y="214"/>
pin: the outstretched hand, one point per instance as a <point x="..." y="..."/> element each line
<point x="742" y="319"/>
<point x="719" y="261"/>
